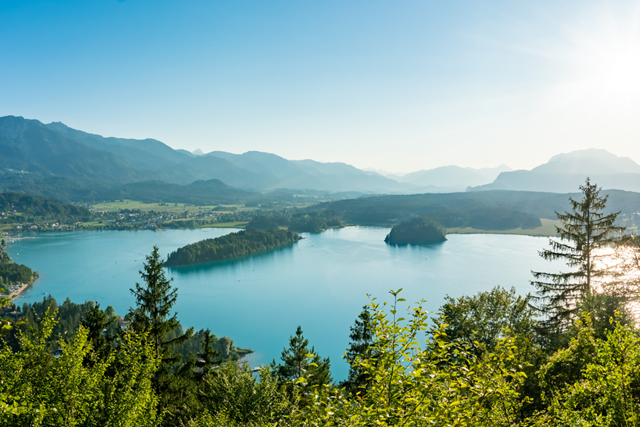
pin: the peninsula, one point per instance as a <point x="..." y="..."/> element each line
<point x="234" y="245"/>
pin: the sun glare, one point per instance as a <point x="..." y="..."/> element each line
<point x="601" y="61"/>
<point x="613" y="69"/>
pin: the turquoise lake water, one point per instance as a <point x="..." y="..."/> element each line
<point x="319" y="283"/>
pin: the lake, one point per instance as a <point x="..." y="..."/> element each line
<point x="319" y="283"/>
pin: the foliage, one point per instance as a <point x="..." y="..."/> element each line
<point x="152" y="315"/>
<point x="301" y="364"/>
<point x="39" y="390"/>
<point x="68" y="318"/>
<point x="232" y="245"/>
<point x="585" y="231"/>
<point x="416" y="230"/>
<point x="361" y="346"/>
<point x="482" y="320"/>
<point x="238" y="394"/>
<point x="594" y="382"/>
<point x="440" y="383"/>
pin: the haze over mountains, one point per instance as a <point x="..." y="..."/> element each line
<point x="36" y="157"/>
<point x="29" y="147"/>
<point x="563" y="173"/>
<point x="453" y="176"/>
<point x="57" y="150"/>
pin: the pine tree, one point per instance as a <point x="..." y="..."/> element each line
<point x="360" y="346"/>
<point x="297" y="364"/>
<point x="98" y="322"/>
<point x="154" y="302"/>
<point x="583" y="233"/>
<point x="208" y="358"/>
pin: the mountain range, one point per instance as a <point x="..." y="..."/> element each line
<point x="564" y="173"/>
<point x="42" y="151"/>
<point x="30" y="146"/>
<point x="58" y="161"/>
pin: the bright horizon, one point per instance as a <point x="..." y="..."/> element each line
<point x="393" y="86"/>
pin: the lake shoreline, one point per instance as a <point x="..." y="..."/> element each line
<point x="15" y="294"/>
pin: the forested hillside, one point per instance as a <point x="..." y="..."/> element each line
<point x="36" y="210"/>
<point x="39" y="207"/>
<point x="451" y="210"/>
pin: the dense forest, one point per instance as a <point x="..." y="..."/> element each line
<point x="417" y="230"/>
<point x="12" y="275"/>
<point x="232" y="245"/>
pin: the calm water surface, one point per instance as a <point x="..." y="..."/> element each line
<point x="319" y="283"/>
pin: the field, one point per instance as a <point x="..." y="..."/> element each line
<point x="235" y="224"/>
<point x="163" y="207"/>
<point x="547" y="229"/>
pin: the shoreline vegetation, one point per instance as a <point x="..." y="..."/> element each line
<point x="14" y="277"/>
<point x="233" y="245"/>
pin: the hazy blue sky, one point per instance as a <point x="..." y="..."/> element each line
<point x="397" y="85"/>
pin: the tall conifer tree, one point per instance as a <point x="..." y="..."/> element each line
<point x="583" y="233"/>
<point x="361" y="344"/>
<point x="297" y="364"/>
<point x="152" y="314"/>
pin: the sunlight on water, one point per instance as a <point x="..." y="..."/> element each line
<point x="622" y="267"/>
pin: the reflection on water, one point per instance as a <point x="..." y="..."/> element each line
<point x="235" y="265"/>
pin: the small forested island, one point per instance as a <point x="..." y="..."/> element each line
<point x="417" y="230"/>
<point x="245" y="242"/>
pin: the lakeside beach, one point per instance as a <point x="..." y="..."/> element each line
<point x="15" y="294"/>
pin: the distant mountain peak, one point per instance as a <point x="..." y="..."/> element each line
<point x="197" y="152"/>
<point x="589" y="153"/>
<point x="565" y="172"/>
<point x="589" y="161"/>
